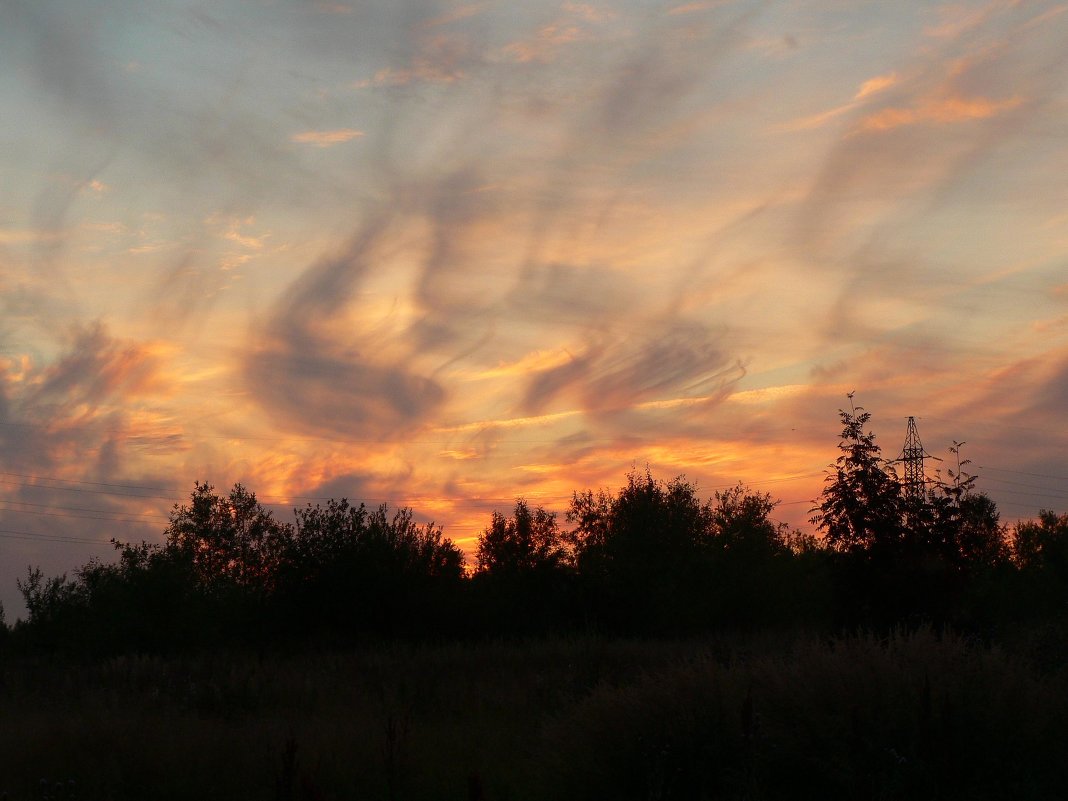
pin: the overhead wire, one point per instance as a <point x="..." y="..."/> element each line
<point x="108" y="512"/>
<point x="101" y="519"/>
<point x="27" y="535"/>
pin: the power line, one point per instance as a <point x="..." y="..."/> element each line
<point x="1035" y="495"/>
<point x="112" y="519"/>
<point x="1047" y="432"/>
<point x="26" y="535"/>
<point x="1018" y="484"/>
<point x="84" y="489"/>
<point x="80" y="481"/>
<point x="146" y="515"/>
<point x="1022" y="473"/>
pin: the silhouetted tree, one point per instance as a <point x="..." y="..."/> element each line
<point x="963" y="525"/>
<point x="364" y="570"/>
<point x="526" y="542"/>
<point x="643" y="552"/>
<point x="912" y="556"/>
<point x="887" y="571"/>
<point x="861" y="507"/>
<point x="742" y="523"/>
<point x="1042" y="545"/>
<point x="398" y="545"/>
<point x="648" y="524"/>
<point x="229" y="539"/>
<point x="50" y="601"/>
<point x="954" y="522"/>
<point x="983" y="540"/>
<point x="753" y="577"/>
<point x="523" y="582"/>
<point x="1040" y="555"/>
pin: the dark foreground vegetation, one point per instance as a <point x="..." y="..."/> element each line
<point x="905" y="716"/>
<point x="652" y="646"/>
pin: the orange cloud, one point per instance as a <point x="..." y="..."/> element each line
<point x="460" y="455"/>
<point x="875" y="85"/>
<point x="101" y="370"/>
<point x="326" y="138"/>
<point x="817" y="120"/>
<point x="945" y="110"/>
<point x="22" y="237"/>
<point x="766" y="394"/>
<point x="870" y="87"/>
<point x="509" y="422"/>
<point x="531" y="362"/>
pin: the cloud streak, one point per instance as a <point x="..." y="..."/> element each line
<point x="330" y="138"/>
<point x="311" y="380"/>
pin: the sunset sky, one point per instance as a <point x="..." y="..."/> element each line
<point x="447" y="254"/>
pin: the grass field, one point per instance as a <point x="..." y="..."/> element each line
<point x="908" y="716"/>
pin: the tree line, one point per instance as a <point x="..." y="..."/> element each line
<point x="652" y="558"/>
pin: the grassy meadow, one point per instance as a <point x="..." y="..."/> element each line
<point x="911" y="715"/>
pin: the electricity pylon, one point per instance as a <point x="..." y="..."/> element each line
<point x="912" y="455"/>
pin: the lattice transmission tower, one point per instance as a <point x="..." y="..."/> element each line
<point x="912" y="456"/>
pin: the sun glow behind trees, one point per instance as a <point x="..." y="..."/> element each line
<point x="652" y="558"/>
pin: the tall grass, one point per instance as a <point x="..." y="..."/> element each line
<point x="905" y="716"/>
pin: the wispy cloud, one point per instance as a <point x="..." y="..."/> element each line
<point x="691" y="8"/>
<point x="308" y="379"/>
<point x="97" y="368"/>
<point x="670" y="359"/>
<point x="94" y="409"/>
<point x="460" y="12"/>
<point x="233" y="231"/>
<point x="868" y="89"/>
<point x="579" y="23"/>
<point x="439" y="58"/>
<point x="875" y="85"/>
<point x="941" y="110"/>
<point x="955" y="19"/>
<point x="589" y="12"/>
<point x="814" y="121"/>
<point x="543" y="45"/>
<point x="328" y="138"/>
<point x="532" y="362"/>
